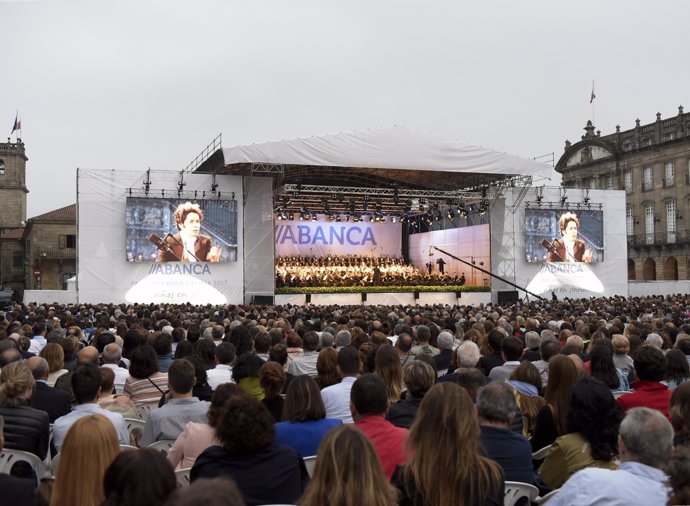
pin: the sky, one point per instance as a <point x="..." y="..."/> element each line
<point x="129" y="85"/>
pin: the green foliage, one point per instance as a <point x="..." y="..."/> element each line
<point x="381" y="289"/>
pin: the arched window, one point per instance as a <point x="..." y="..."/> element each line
<point x="631" y="269"/>
<point x="671" y="269"/>
<point x="649" y="269"/>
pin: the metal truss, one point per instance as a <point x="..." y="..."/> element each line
<point x="400" y="193"/>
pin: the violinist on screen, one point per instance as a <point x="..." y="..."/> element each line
<point x="569" y="248"/>
<point x="188" y="245"/>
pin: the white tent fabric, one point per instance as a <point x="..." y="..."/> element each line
<point x="396" y="147"/>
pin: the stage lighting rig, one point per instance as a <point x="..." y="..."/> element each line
<point x="147" y="183"/>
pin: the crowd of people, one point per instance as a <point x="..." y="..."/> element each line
<point x="345" y="405"/>
<point x="357" y="270"/>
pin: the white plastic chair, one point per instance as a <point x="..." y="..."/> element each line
<point x="135" y="428"/>
<point x="310" y="462"/>
<point x="8" y="458"/>
<point x="163" y="445"/>
<point x="54" y="464"/>
<point x="543" y="499"/>
<point x="145" y="408"/>
<point x="541" y="454"/>
<point x="516" y="490"/>
<point x="182" y="476"/>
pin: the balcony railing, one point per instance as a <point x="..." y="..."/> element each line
<point x="53" y="253"/>
<point x="659" y="238"/>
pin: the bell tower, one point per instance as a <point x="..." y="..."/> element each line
<point x="12" y="184"/>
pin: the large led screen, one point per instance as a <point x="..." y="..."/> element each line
<point x="564" y="235"/>
<point x="180" y="230"/>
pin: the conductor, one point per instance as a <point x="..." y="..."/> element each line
<point x="188" y="245"/>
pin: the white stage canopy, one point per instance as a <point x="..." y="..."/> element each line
<point x="396" y="147"/>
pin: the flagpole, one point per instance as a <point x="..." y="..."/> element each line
<point x="592" y="102"/>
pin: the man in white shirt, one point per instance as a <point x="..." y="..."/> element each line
<point x="111" y="358"/>
<point x="511" y="351"/>
<point x="86" y="385"/>
<point x="222" y="373"/>
<point x="38" y="341"/>
<point x="645" y="443"/>
<point x="336" y="398"/>
<point x="306" y="363"/>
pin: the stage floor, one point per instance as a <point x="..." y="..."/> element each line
<point x="387" y="299"/>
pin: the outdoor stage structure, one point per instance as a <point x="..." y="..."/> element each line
<point x="391" y="192"/>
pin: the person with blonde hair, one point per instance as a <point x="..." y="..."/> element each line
<point x="89" y="448"/>
<point x="348" y="473"/>
<point x="387" y="367"/>
<point x="445" y="465"/>
<point x="55" y="356"/>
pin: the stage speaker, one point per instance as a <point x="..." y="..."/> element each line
<point x="458" y="294"/>
<point x="507" y="296"/>
<point x="308" y="301"/>
<point x="264" y="300"/>
<point x="364" y="297"/>
<point x="416" y="295"/>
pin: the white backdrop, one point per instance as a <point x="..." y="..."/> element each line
<point x="104" y="275"/>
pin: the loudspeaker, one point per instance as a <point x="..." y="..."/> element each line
<point x="364" y="297"/>
<point x="308" y="301"/>
<point x="507" y="296"/>
<point x="416" y="295"/>
<point x="264" y="300"/>
<point x="458" y="294"/>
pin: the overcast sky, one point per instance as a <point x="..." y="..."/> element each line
<point x="128" y="85"/>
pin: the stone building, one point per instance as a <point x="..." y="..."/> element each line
<point x="652" y="164"/>
<point x="45" y="243"/>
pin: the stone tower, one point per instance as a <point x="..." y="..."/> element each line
<point x="12" y="184"/>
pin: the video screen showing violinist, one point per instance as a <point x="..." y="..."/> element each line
<point x="562" y="235"/>
<point x="174" y="230"/>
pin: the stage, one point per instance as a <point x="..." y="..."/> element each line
<point x="386" y="299"/>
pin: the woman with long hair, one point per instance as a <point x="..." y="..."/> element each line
<point x="199" y="436"/>
<point x="679" y="412"/>
<point x="55" y="356"/>
<point x="603" y="368"/>
<point x="551" y="419"/>
<point x="89" y="448"/>
<point x="246" y="373"/>
<point x="304" y="417"/>
<point x="677" y="370"/>
<point x="592" y="423"/>
<point x="327" y="368"/>
<point x="272" y="381"/>
<point x="387" y="367"/>
<point x="445" y="465"/>
<point x="348" y="473"/>
<point x="525" y="381"/>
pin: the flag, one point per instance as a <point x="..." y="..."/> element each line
<point x="17" y="124"/>
<point x="591" y="99"/>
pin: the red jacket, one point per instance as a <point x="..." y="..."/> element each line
<point x="647" y="394"/>
<point x="388" y="441"/>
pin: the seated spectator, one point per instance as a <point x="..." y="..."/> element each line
<point x="603" y="368"/>
<point x="650" y="368"/>
<point x="621" y="359"/>
<point x="209" y="492"/>
<point x="679" y="476"/>
<point x="202" y="390"/>
<point x="423" y="336"/>
<point x="593" y="421"/>
<point x="112" y="354"/>
<point x="248" y="454"/>
<point x="336" y="398"/>
<point x="645" y="442"/>
<point x="496" y="408"/>
<point x="327" y="368"/>
<point x="205" y="350"/>
<point x="247" y="372"/>
<point x="511" y="351"/>
<point x="548" y="348"/>
<point x="163" y="346"/>
<point x="262" y="344"/>
<point x="117" y="403"/>
<point x="306" y="362"/>
<point x="54" y="401"/>
<point x="532" y="343"/>
<point x="169" y="421"/>
<point x="272" y="381"/>
<point x="446" y="427"/>
<point x="679" y="412"/>
<point x="445" y="341"/>
<point x="387" y="367"/>
<point x="418" y="377"/>
<point x="55" y="356"/>
<point x="89" y="448"/>
<point x="278" y="353"/>
<point x="677" y="369"/>
<point x="551" y="419"/>
<point x="199" y="436"/>
<point x="348" y="471"/>
<point x="471" y="380"/>
<point x="304" y="417"/>
<point x="86" y="385"/>
<point x="139" y="478"/>
<point x="25" y="428"/>
<point x="526" y="384"/>
<point x="145" y="383"/>
<point x="494" y="358"/>
<point x="369" y="405"/>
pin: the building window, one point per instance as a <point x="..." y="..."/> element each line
<point x="2" y="167"/>
<point x="68" y="241"/>
<point x="18" y="260"/>
<point x="649" y="223"/>
<point x="628" y="181"/>
<point x="592" y="183"/>
<point x="609" y="182"/>
<point x="669" y="174"/>
<point x="671" y="221"/>
<point x="629" y="221"/>
<point x="647" y="181"/>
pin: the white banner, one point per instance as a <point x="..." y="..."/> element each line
<point x="324" y="238"/>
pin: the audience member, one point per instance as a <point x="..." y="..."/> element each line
<point x="327" y="368"/>
<point x="112" y="354"/>
<point x="387" y="367"/>
<point x="53" y="401"/>
<point x="511" y="351"/>
<point x="247" y="374"/>
<point x="306" y="362"/>
<point x="336" y="398"/>
<point x="139" y="478"/>
<point x="272" y="381"/>
<point x="418" y="377"/>
<point x="221" y="491"/>
<point x="145" y="383"/>
<point x="649" y="392"/>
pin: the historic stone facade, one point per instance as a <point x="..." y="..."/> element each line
<point x="652" y="164"/>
